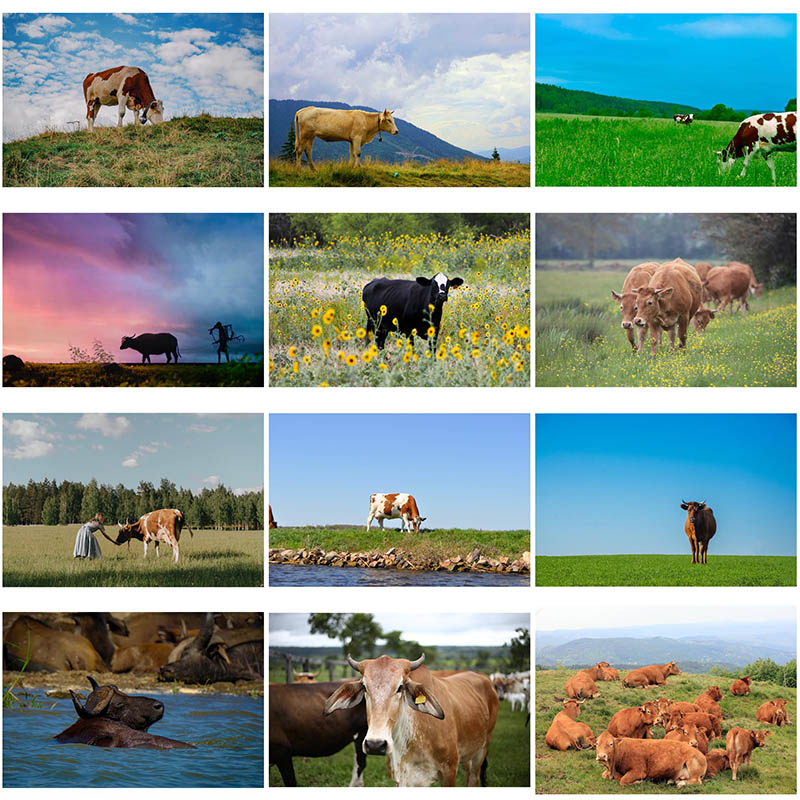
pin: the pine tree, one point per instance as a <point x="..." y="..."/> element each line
<point x="495" y="155"/>
<point x="287" y="150"/>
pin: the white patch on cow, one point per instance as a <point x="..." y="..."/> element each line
<point x="441" y="280"/>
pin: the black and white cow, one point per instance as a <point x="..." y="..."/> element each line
<point x="762" y="133"/>
<point x="416" y="305"/>
<point x="684" y="119"/>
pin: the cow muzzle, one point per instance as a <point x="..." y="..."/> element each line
<point x="639" y="321"/>
<point x="375" y="747"/>
<point x="627" y="325"/>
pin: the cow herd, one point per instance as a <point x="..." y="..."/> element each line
<point x="628" y="752"/>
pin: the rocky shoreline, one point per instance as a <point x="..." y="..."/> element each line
<point x="399" y="559"/>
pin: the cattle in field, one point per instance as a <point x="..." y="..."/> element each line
<point x="652" y="675"/>
<point x="272" y="523"/>
<point x="413" y="308"/>
<point x="764" y="134"/>
<point x="634" y="723"/>
<point x="163" y="526"/>
<point x="602" y="671"/>
<point x="700" y="527"/>
<point x="683" y="707"/>
<point x="146" y="657"/>
<point x="702" y="268"/>
<point x="716" y="762"/>
<point x="304" y="677"/>
<point x="691" y="734"/>
<point x="46" y="649"/>
<point x="426" y="726"/>
<point x="395" y="506"/>
<point x="702" y="317"/>
<point x="126" y="87"/>
<point x="565" y="731"/>
<point x="741" y="686"/>
<point x="756" y="288"/>
<point x="707" y="702"/>
<point x="709" y="723"/>
<point x="773" y="712"/>
<point x="739" y="745"/>
<point x="668" y="302"/>
<point x="517" y="699"/>
<point x="723" y="285"/>
<point x="630" y="761"/>
<point x="339" y="125"/>
<point x="581" y="686"/>
<point x="152" y="344"/>
<point x="683" y="119"/>
<point x="638" y="277"/>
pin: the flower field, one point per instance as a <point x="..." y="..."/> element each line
<point x="317" y="323"/>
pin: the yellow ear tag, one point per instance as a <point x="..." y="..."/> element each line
<point x="420" y="699"/>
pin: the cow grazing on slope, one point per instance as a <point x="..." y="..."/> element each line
<point x="741" y="686"/>
<point x="652" y="675"/>
<point x="740" y="743"/>
<point x="773" y="712"/>
<point x="395" y="506"/>
<point x="162" y="526"/>
<point x="765" y="134"/>
<point x="416" y="305"/>
<point x="700" y="527"/>
<point x="565" y="731"/>
<point x="426" y="726"/>
<point x="637" y="278"/>
<point x="683" y="119"/>
<point x="152" y="344"/>
<point x="126" y="87"/>
<point x="339" y="125"/>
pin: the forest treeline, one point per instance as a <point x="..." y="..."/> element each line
<point x="48" y="502"/>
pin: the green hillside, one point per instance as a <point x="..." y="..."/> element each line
<point x="570" y="101"/>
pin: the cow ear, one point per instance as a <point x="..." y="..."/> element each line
<point x="421" y="699"/>
<point x="348" y="695"/>
<point x="424" y="281"/>
<point x="456" y="282"/>
<point x="665" y="292"/>
<point x="615" y="296"/>
<point x="684" y="507"/>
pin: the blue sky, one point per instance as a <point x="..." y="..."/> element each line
<point x="465" y="470"/>
<point x="194" y="451"/>
<point x="463" y="77"/>
<point x="696" y="59"/>
<point x="196" y="62"/>
<point x="613" y="483"/>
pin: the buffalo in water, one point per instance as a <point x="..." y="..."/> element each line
<point x="110" y="718"/>
<point x="152" y="344"/>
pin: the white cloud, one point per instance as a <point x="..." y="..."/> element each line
<point x="211" y="480"/>
<point x="110" y="427"/>
<point x="41" y="26"/>
<point x="128" y="19"/>
<point x="130" y="462"/>
<point x="731" y="26"/>
<point x="35" y="441"/>
<point x="247" y="489"/>
<point x="203" y="428"/>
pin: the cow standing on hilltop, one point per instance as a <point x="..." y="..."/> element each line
<point x="700" y="527"/>
<point x="126" y="87"/>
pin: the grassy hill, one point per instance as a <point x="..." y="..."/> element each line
<point x="186" y="151"/>
<point x="772" y="768"/>
<point x="570" y="101"/>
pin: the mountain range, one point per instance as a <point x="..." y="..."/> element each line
<point x="572" y="101"/>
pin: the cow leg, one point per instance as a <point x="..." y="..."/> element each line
<point x="380" y="522"/>
<point x="158" y="553"/>
<point x="655" y="337"/>
<point x="369" y="519"/>
<point x="286" y="768"/>
<point x="145" y="548"/>
<point x="380" y="337"/>
<point x="683" y="327"/>
<point x="359" y="763"/>
<point x="91" y="113"/>
<point x="176" y="551"/>
<point x="123" y="107"/>
<point x="771" y="165"/>
<point x="633" y="776"/>
<point x="642" y="333"/>
<point x="355" y="150"/>
<point x="671" y="333"/>
<point x="308" y="148"/>
<point x="629" y="334"/>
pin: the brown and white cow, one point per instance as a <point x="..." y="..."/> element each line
<point x="638" y="277"/>
<point x="726" y="284"/>
<point x="740" y="743"/>
<point x="425" y="725"/>
<point x="764" y="134"/>
<point x="773" y="712"/>
<point x="652" y="675"/>
<point x="683" y="119"/>
<point x="162" y="526"/>
<point x="395" y="506"/>
<point x="634" y="723"/>
<point x="339" y="125"/>
<point x="741" y="686"/>
<point x="565" y="731"/>
<point x="126" y="87"/>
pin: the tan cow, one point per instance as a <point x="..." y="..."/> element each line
<point x="689" y="732"/>
<point x="426" y="726"/>
<point x="726" y="284"/>
<point x="634" y="723"/>
<point x="707" y="702"/>
<point x="675" y="718"/>
<point x="740" y="743"/>
<point x="773" y="712"/>
<point x="634" y="760"/>
<point x="565" y="732"/>
<point x="148" y="657"/>
<point x="756" y="288"/>
<point x="605" y="672"/>
<point x="304" y="677"/>
<point x="716" y="762"/>
<point x="581" y="686"/>
<point x="652" y="675"/>
<point x="638" y="277"/>
<point x="126" y="87"/>
<point x="741" y="686"/>
<point x="339" y="125"/>
<point x="32" y="645"/>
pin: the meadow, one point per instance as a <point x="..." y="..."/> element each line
<point x="41" y="555"/>
<point x="409" y="173"/>
<point x="579" y="341"/>
<point x="665" y="570"/>
<point x="509" y="760"/>
<point x="772" y="768"/>
<point x="574" y="150"/>
<point x="185" y="151"/>
<point x="317" y="323"/>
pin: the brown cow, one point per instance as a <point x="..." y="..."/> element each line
<point x="700" y="527"/>
<point x="126" y="87"/>
<point x="565" y="732"/>
<point x="339" y="125"/>
<point x="637" y="278"/>
<point x="740" y="743"/>
<point x="46" y="649"/>
<point x="756" y="288"/>
<point x="702" y="317"/>
<point x="668" y="302"/>
<point x="675" y="718"/>
<point x="716" y="761"/>
<point x="773" y="712"/>
<point x="702" y="268"/>
<point x="634" y="760"/>
<point x="707" y="702"/>
<point x="606" y="672"/>
<point x="581" y="686"/>
<point x="653" y="675"/>
<point x="741" y="686"/>
<point x="148" y="657"/>
<point x="634" y="723"/>
<point x="272" y="523"/>
<point x="689" y="732"/>
<point x="683" y="707"/>
<point x="164" y="525"/>
<point x="726" y="284"/>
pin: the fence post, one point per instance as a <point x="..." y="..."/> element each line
<point x="288" y="668"/>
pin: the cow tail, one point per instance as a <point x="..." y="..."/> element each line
<point x="296" y="130"/>
<point x="484" y="767"/>
<point x="185" y="524"/>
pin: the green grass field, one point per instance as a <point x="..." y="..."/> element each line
<point x="186" y="151"/>
<point x="665" y="570"/>
<point x="612" y="151"/>
<point x="772" y="768"/>
<point x="509" y="760"/>
<point x="438" y="544"/>
<point x="41" y="555"/>
<point x="409" y="173"/>
<point x="579" y="341"/>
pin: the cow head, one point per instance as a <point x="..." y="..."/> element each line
<point x="154" y="112"/>
<point x="759" y="738"/>
<point x="671" y="669"/>
<point x="648" y="302"/>
<point x="305" y="677"/>
<point x="108" y="702"/>
<point x="701" y="318"/>
<point x="714" y="693"/>
<point x="746" y="679"/>
<point x="693" y="508"/>
<point x="649" y="712"/>
<point x="127" y="341"/>
<point x="128" y="531"/>
<point x="605" y="748"/>
<point x="627" y="305"/>
<point x="386" y="122"/>
<point x="756" y="289"/>
<point x="438" y="287"/>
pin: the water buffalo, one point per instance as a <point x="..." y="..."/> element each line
<point x="152" y="344"/>
<point x="111" y="718"/>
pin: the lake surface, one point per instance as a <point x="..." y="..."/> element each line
<point x="227" y="730"/>
<point x="316" y="575"/>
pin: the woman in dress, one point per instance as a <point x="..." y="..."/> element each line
<point x="86" y="545"/>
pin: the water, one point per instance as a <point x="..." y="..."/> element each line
<point x="228" y="731"/>
<point x="315" y="575"/>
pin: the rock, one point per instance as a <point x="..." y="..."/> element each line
<point x="526" y="559"/>
<point x="58" y="693"/>
<point x="12" y="363"/>
<point x="391" y="551"/>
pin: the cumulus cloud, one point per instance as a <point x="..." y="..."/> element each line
<point x="203" y="428"/>
<point x="211" y="480"/>
<point x="33" y="440"/>
<point x="41" y="26"/>
<point x="104" y="424"/>
<point x="128" y="19"/>
<point x="145" y="449"/>
<point x="130" y="462"/>
<point x="247" y="490"/>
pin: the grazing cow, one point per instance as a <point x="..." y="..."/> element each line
<point x="700" y="527"/>
<point x="581" y="686"/>
<point x="110" y="718"/>
<point x="652" y="675"/>
<point x="339" y="125"/>
<point x="152" y="344"/>
<point x="702" y="317"/>
<point x="691" y="734"/>
<point x="272" y="523"/>
<point x="126" y="87"/>
<point x="146" y="657"/>
<point x="683" y="119"/>
<point x="395" y="506"/>
<point x="411" y="307"/>
<point x="756" y="288"/>
<point x="298" y="728"/>
<point x="164" y="525"/>
<point x="634" y="760"/>
<point x="773" y="712"/>
<point x="565" y="731"/>
<point x="741" y="686"/>
<point x="702" y="268"/>
<point x="426" y="726"/>
<point x="304" y="677"/>
<point x="634" y="723"/>
<point x="668" y="302"/>
<point x="764" y="134"/>
<point x="740" y="743"/>
<point x="637" y="278"/>
<point x="723" y="285"/>
<point x="716" y="762"/>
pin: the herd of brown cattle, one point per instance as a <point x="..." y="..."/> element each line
<point x="627" y="750"/>
<point x="667" y="297"/>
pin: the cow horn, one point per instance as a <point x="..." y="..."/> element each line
<point x="204" y="636"/>
<point x="418" y="662"/>
<point x="184" y="632"/>
<point x="353" y="663"/>
<point x="79" y="709"/>
<point x="95" y="684"/>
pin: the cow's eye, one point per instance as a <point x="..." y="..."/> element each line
<point x="636" y="308"/>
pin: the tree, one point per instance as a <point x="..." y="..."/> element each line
<point x="398" y="647"/>
<point x="90" y="504"/>
<point x="50" y="511"/>
<point x="495" y="155"/>
<point x="519" y="650"/>
<point x="287" y="148"/>
<point x="791" y="105"/>
<point x="358" y="633"/>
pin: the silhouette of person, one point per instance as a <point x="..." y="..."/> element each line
<point x="222" y="334"/>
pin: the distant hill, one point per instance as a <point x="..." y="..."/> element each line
<point x="521" y="154"/>
<point x="571" y="101"/>
<point x="410" y="144"/>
